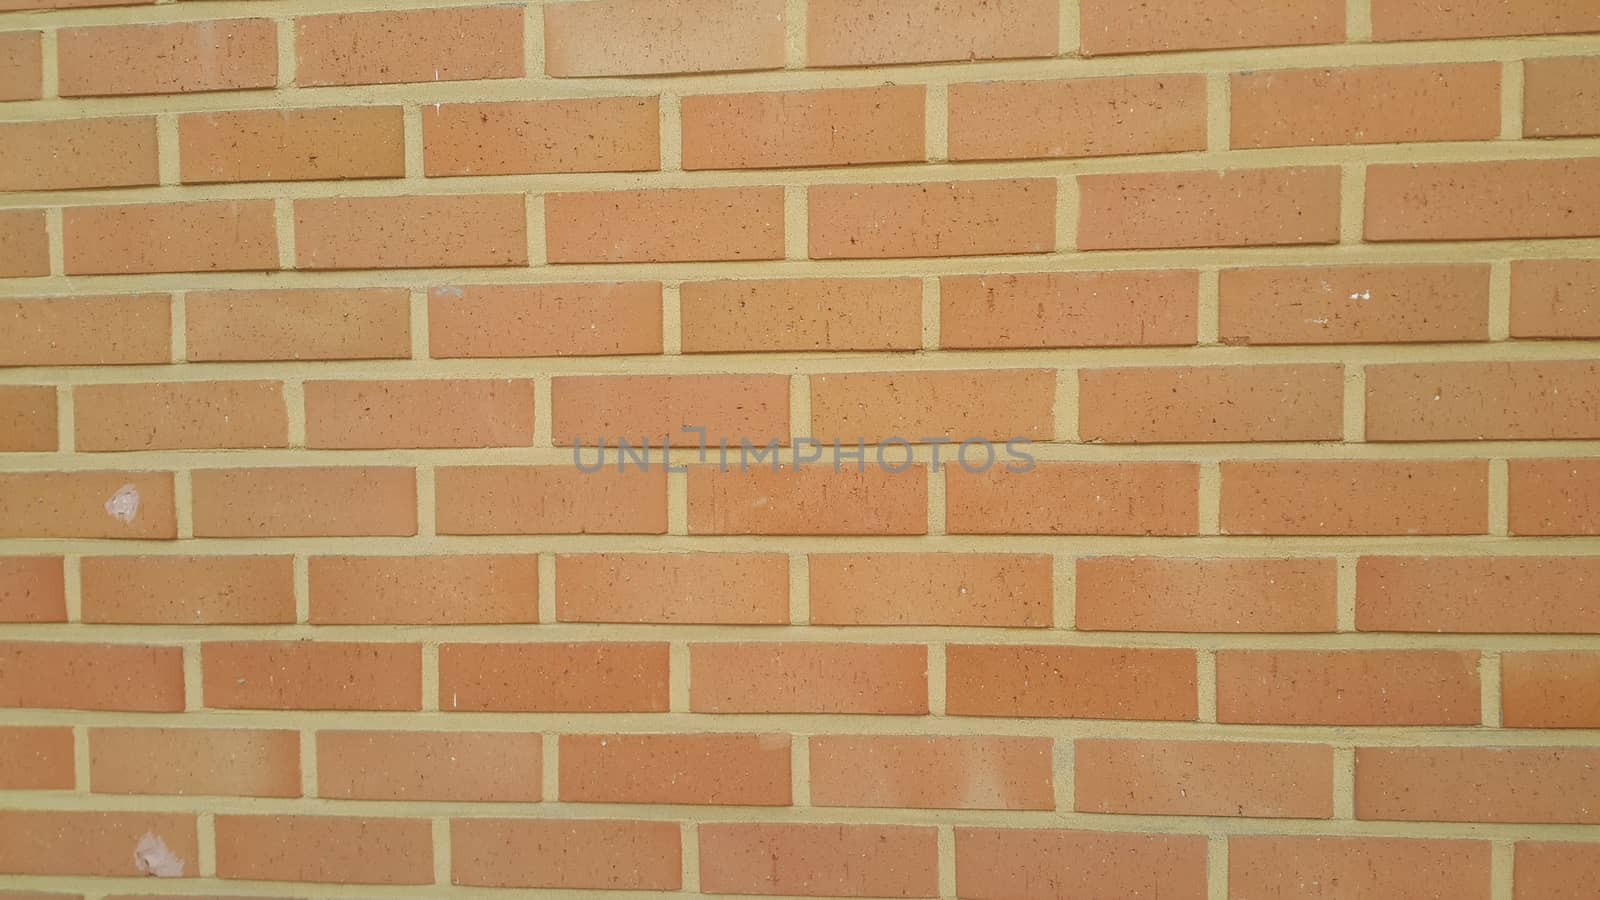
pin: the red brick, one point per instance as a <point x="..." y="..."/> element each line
<point x="77" y="153"/>
<point x="1074" y="498"/>
<point x="424" y="590"/>
<point x="292" y="144"/>
<point x="1366" y="687"/>
<point x="964" y="589"/>
<point x="189" y="415"/>
<point x="188" y="590"/>
<point x="111" y="677"/>
<point x="840" y="127"/>
<point x="597" y="410"/>
<point x="1237" y="208"/>
<point x="549" y="677"/>
<point x="1369" y="105"/>
<point x="130" y="329"/>
<point x="1550" y="690"/>
<point x="1247" y="596"/>
<point x="1200" y="778"/>
<point x="509" y="320"/>
<point x="304" y="502"/>
<point x="1483" y="200"/>
<point x="411" y="232"/>
<point x="1483" y="401"/>
<point x="453" y="766"/>
<point x="27" y="419"/>
<point x="176" y="58"/>
<point x="1190" y="404"/>
<point x="197" y="236"/>
<point x="45" y="842"/>
<point x="886" y="32"/>
<point x="931" y="772"/>
<point x="355" y="415"/>
<point x="1473" y="784"/>
<point x="194" y="761"/>
<point x="308" y="675"/>
<point x="1410" y="20"/>
<point x="1555" y="496"/>
<point x="1114" y="26"/>
<point x="695" y="769"/>
<point x="819" y="860"/>
<point x="1354" y="304"/>
<point x="604" y="134"/>
<point x="545" y="854"/>
<point x="710" y="588"/>
<point x="327" y="849"/>
<point x="1070" y="682"/>
<point x="1557" y="298"/>
<point x="792" y="315"/>
<point x="920" y="407"/>
<point x="684" y="225"/>
<point x="807" y="499"/>
<point x="1012" y="862"/>
<point x="835" y="679"/>
<point x="1352" y="497"/>
<point x="225" y="326"/>
<point x="1547" y="870"/>
<point x="127" y="505"/>
<point x="40" y="759"/>
<point x="1559" y="97"/>
<point x="651" y="37"/>
<point x="412" y="45"/>
<point x="550" y="500"/>
<point x="1478" y="595"/>
<point x="24" y="244"/>
<point x="1288" y="866"/>
<point x="21" y="65"/>
<point x="32" y="589"/>
<point x="1068" y="309"/>
<point x="943" y="218"/>
<point x="1078" y="117"/>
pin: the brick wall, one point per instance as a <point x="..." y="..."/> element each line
<point x="1295" y="302"/>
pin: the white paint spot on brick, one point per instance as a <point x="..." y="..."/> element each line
<point x="152" y="857"/>
<point x="124" y="504"/>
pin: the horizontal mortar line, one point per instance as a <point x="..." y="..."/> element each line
<point x="208" y="888"/>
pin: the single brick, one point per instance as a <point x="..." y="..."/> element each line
<point x="684" y="225"/>
<point x="1368" y="105"/>
<point x="229" y="762"/>
<point x="225" y="326"/>
<point x="604" y="134"/>
<point x="963" y="589"/>
<point x="1559" y="96"/>
<point x="21" y="65"/>
<point x="886" y="32"/>
<point x="1356" y="687"/>
<point x="1550" y="690"/>
<point x="550" y="677"/>
<point x="819" y="860"/>
<point x="932" y="772"/>
<point x="1203" y="778"/>
<point x="78" y="153"/>
<point x="131" y="329"/>
<point x="292" y="144"/>
<point x="662" y="37"/>
<point x="32" y="589"/>
<point x="326" y="849"/>
<point x="919" y="407"/>
<point x="1557" y="298"/>
<point x="1548" y="870"/>
<point x="1068" y="309"/>
<point x="1351" y="497"/>
<point x="943" y="218"/>
<point x="1078" y="117"/>
<point x="187" y="415"/>
<point x="132" y="505"/>
<point x="831" y="679"/>
<point x="510" y="320"/>
<point x="1555" y="496"/>
<point x="27" y="419"/>
<point x="1014" y="862"/>
<point x="694" y="769"/>
<point x="1190" y="404"/>
<point x="708" y="588"/>
<point x="1134" y="498"/>
<point x="307" y="675"/>
<point x="356" y="415"/>
<point x="305" y="502"/>
<point x="1354" y="304"/>
<point x="1249" y="596"/>
<point x="411" y="232"/>
<point x="41" y="759"/>
<point x="550" y="500"/>
<point x="1236" y="208"/>
<point x="1115" y="26"/>
<point x="1476" y="784"/>
<point x="1483" y="401"/>
<point x="24" y="243"/>
<point x="814" y="500"/>
<point x="1291" y="865"/>
<point x="1412" y="20"/>
<point x="47" y="842"/>
<point x="572" y="854"/>
<point x="410" y="45"/>
<point x="196" y="236"/>
<point x="597" y="410"/>
<point x="1478" y="595"/>
<point x="801" y="314"/>
<point x="423" y="590"/>
<point x="1483" y="200"/>
<point x="453" y="766"/>
<point x="1070" y="682"/>
<point x="187" y="590"/>
<point x="182" y="57"/>
<point x="778" y="130"/>
<point x="111" y="677"/>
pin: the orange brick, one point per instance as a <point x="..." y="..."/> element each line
<point x="807" y="499"/>
<point x="1070" y="682"/>
<point x="1558" y="298"/>
<point x="454" y="766"/>
<point x="1547" y="870"/>
<point x="32" y="589"/>
<point x="77" y="153"/>
<point x="1074" y="498"/>
<point x="1206" y="595"/>
<point x="695" y="769"/>
<point x="40" y="759"/>
<point x="198" y="236"/>
<point x="1078" y="117"/>
<point x="1559" y="97"/>
<point x="819" y="860"/>
<point x="1366" y="687"/>
<point x="1410" y="20"/>
<point x="508" y="320"/>
<point x="966" y="589"/>
<point x="223" y="326"/>
<point x="329" y="849"/>
<point x="1237" y="208"/>
<point x="1068" y="309"/>
<point x="1287" y="866"/>
<point x="604" y="134"/>
<point x="604" y="409"/>
<point x="783" y="315"/>
<point x="27" y="419"/>
<point x="189" y="415"/>
<point x="688" y="225"/>
<point x="1478" y="595"/>
<point x="943" y="218"/>
<point x="24" y="244"/>
<point x="713" y="588"/>
<point x="423" y="590"/>
<point x="1115" y="26"/>
<point x="931" y="772"/>
<point x="885" y="32"/>
<point x="306" y="502"/>
<point x="1369" y="105"/>
<point x="1483" y="200"/>
<point x="292" y="144"/>
<point x="412" y="45"/>
<point x="1187" y="404"/>
<point x="1550" y="690"/>
<point x="44" y="842"/>
<point x="21" y="65"/>
<point x="112" y="677"/>
<point x="354" y="415"/>
<point x="312" y="675"/>
<point x="1340" y="497"/>
<point x="1483" y="401"/>
<point x="188" y="590"/>
<point x="538" y="853"/>
<point x="190" y="761"/>
<point x="177" y="58"/>
<point x="550" y="500"/>
<point x="1203" y="778"/>
<point x="549" y="677"/>
<point x="834" y="679"/>
<point x="840" y="127"/>
<point x="651" y="37"/>
<point x="1012" y="862"/>
<point x="1354" y="304"/>
<point x="1473" y="784"/>
<point x="134" y="505"/>
<point x="994" y="404"/>
<point x="411" y="232"/>
<point x="1555" y="496"/>
<point x="100" y="331"/>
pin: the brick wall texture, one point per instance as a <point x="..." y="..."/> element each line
<point x="1295" y="304"/>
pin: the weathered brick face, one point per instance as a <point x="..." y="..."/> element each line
<point x="1171" y="442"/>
